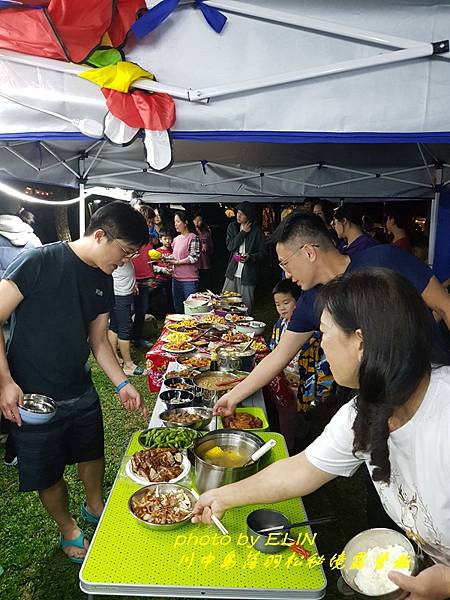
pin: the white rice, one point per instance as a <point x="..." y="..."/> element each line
<point x="374" y="581"/>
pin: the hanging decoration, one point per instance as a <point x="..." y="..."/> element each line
<point x="102" y="57"/>
<point x="64" y="29"/>
<point x="93" y="32"/>
<point x="142" y="109"/>
<point x="118" y="76"/>
<point x="159" y="13"/>
<point x="154" y="113"/>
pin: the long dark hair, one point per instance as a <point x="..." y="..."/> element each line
<point x="397" y="350"/>
<point x="327" y="209"/>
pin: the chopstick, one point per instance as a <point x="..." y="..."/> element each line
<point x="301" y="524"/>
<point x="214" y="519"/>
<point x="235" y="380"/>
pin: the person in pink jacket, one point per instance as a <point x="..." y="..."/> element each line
<point x="185" y="259"/>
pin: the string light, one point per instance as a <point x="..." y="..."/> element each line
<point x="10" y="191"/>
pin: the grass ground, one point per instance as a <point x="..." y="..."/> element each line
<point x="35" y="568"/>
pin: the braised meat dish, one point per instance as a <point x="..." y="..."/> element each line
<point x="162" y="508"/>
<point x="242" y="420"/>
<point x="157" y="464"/>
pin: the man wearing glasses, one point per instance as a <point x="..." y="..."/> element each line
<point x="59" y="297"/>
<point x="308" y="256"/>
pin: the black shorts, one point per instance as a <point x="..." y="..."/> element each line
<point x="74" y="435"/>
<point x="120" y="318"/>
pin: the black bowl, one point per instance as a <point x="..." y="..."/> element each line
<point x="177" y="398"/>
<point x="174" y="381"/>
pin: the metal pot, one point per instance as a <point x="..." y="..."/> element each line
<point x="209" y="397"/>
<point x="233" y="359"/>
<point x="260" y="519"/>
<point x="208" y="476"/>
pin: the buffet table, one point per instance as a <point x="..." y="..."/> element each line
<point x="195" y="561"/>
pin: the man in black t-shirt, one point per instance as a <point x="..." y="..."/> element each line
<point x="59" y="297"/>
<point x="309" y="257"/>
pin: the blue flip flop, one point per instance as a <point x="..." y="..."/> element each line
<point x="78" y="542"/>
<point x="88" y="516"/>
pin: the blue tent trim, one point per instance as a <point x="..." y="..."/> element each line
<point x="308" y="137"/>
<point x="276" y="137"/>
<point x="441" y="266"/>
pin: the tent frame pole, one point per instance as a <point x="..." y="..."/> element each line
<point x="314" y="24"/>
<point x="82" y="190"/>
<point x="434" y="215"/>
<point x="348" y="66"/>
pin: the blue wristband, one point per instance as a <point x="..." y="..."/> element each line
<point x="121" y="385"/>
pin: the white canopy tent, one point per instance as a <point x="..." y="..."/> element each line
<point x="291" y="99"/>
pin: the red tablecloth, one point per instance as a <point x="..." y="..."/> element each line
<point x="158" y="359"/>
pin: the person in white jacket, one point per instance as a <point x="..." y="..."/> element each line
<point x="15" y="235"/>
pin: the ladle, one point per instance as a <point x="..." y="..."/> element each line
<point x="263" y="450"/>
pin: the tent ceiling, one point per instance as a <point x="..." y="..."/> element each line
<point x="213" y="169"/>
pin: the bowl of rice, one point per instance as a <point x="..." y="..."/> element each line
<point x="370" y="556"/>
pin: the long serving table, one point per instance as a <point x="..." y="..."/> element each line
<point x="196" y="561"/>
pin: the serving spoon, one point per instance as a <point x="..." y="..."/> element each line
<point x="263" y="450"/>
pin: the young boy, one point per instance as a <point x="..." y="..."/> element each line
<point x="164" y="272"/>
<point x="285" y="295"/>
<point x="283" y="388"/>
<point x="305" y="378"/>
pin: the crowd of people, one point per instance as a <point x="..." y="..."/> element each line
<point x="359" y="370"/>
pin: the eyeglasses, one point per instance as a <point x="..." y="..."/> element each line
<point x="126" y="253"/>
<point x="283" y="264"/>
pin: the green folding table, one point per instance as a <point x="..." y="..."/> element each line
<point x="195" y="561"/>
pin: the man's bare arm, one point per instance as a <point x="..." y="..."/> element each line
<point x="10" y="393"/>
<point x="268" y="369"/>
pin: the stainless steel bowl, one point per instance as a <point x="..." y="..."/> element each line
<point x="37" y="403"/>
<point x="204" y="414"/>
<point x="162" y="487"/>
<point x="207" y="396"/>
<point x="208" y="476"/>
<point x="37" y="409"/>
<point x="232" y="358"/>
<point x="369" y="539"/>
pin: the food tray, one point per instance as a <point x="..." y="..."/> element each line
<point x="256" y="412"/>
